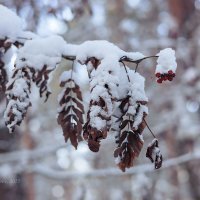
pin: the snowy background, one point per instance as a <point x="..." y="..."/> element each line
<point x="36" y="164"/>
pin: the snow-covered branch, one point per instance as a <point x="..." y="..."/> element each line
<point x="48" y="172"/>
<point x="27" y="155"/>
<point x="124" y="58"/>
<point x="116" y="92"/>
<point x="144" y="168"/>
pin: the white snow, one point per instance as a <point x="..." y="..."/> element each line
<point x="49" y="46"/>
<point x="135" y="55"/>
<point x="166" y="61"/>
<point x="139" y="117"/>
<point x="95" y="120"/>
<point x="41" y="51"/>
<point x="10" y="24"/>
<point x="18" y="102"/>
<point x="118" y="76"/>
<point x="66" y="75"/>
<point x="26" y="36"/>
<point x="99" y="49"/>
<point x="18" y="90"/>
<point x="136" y="87"/>
<point x="102" y="50"/>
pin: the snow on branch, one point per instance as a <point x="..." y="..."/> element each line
<point x="48" y="172"/>
<point x="27" y="155"/>
<point x="116" y="92"/>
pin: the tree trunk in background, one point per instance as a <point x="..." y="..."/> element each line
<point x="116" y="14"/>
<point x="182" y="11"/>
<point x="172" y="147"/>
<point x="192" y="168"/>
<point x="9" y="188"/>
<point x="28" y="143"/>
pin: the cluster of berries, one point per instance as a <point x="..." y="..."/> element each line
<point x="166" y="76"/>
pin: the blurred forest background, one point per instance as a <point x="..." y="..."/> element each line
<point x="43" y="167"/>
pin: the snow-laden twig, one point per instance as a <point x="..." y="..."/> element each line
<point x="48" y="172"/>
<point x="144" y="168"/>
<point x="26" y="155"/>
<point x="122" y="59"/>
<point x="110" y="91"/>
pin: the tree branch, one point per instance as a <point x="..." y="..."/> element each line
<point x="51" y="173"/>
<point x="26" y="155"/>
<point x="144" y="168"/>
<point x="122" y="59"/>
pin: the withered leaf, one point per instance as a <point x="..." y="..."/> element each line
<point x="153" y="153"/>
<point x="93" y="145"/>
<point x="124" y="123"/>
<point x="122" y="137"/>
<point x="78" y="92"/>
<point x="123" y="103"/>
<point x="71" y="117"/>
<point x="135" y="142"/>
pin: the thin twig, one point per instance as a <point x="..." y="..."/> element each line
<point x="126" y="59"/>
<point x="126" y="71"/>
<point x="46" y="171"/>
<point x="149" y="128"/>
<point x="122" y="59"/>
<point x="136" y="67"/>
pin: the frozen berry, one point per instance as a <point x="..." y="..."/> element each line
<point x="164" y="77"/>
<point x="170" y="72"/>
<point x="170" y="78"/>
<point x="159" y="80"/>
<point x="158" y="75"/>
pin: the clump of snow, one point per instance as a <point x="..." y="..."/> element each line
<point x="11" y="25"/>
<point x="80" y="75"/>
<point x="41" y="51"/>
<point x="49" y="46"/>
<point x="26" y="36"/>
<point x="18" y="90"/>
<point x="101" y="50"/>
<point x="96" y="121"/>
<point x="18" y="101"/>
<point x="104" y="79"/>
<point x="166" y="61"/>
<point x="152" y="142"/>
<point x="135" y="55"/>
<point x="136" y="88"/>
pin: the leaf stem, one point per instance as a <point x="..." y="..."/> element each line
<point x="149" y="128"/>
